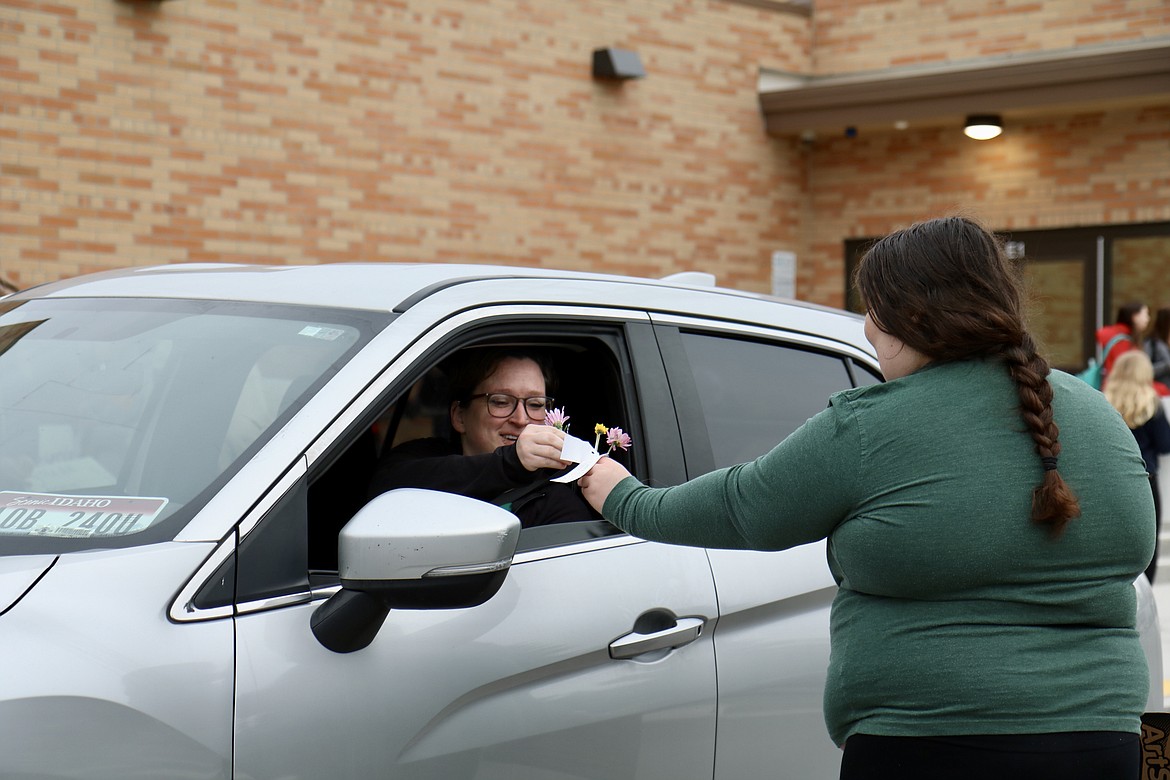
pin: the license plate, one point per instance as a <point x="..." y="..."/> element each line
<point x="51" y="514"/>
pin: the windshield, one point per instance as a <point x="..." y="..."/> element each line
<point x="119" y="418"/>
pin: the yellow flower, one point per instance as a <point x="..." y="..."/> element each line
<point x="600" y="429"/>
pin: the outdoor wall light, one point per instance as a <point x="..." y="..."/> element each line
<point x="983" y="127"/>
<point x="618" y="64"/>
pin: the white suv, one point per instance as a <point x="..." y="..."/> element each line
<point x="181" y="446"/>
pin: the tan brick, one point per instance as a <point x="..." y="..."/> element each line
<point x="454" y="131"/>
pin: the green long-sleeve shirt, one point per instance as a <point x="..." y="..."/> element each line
<point x="955" y="613"/>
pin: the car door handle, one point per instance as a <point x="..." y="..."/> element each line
<point x="683" y="632"/>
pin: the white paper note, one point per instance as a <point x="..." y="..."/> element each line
<point x="580" y="452"/>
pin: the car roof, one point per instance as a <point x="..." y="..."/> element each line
<point x="436" y="290"/>
<point x="371" y="286"/>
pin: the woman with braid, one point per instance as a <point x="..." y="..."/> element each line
<point x="986" y="518"/>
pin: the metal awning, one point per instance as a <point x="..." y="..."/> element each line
<point x="935" y="94"/>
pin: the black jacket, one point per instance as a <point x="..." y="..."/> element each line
<point x="1159" y="352"/>
<point x="1153" y="438"/>
<point x="497" y="477"/>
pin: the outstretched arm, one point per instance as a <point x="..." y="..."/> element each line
<point x="797" y="493"/>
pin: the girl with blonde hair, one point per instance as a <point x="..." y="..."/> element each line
<point x="1131" y="391"/>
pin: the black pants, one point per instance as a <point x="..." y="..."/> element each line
<point x="1083" y="755"/>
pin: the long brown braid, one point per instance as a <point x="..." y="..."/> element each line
<point x="946" y="288"/>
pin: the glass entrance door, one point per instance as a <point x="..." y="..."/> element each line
<point x="1140" y="272"/>
<point x="1076" y="279"/>
<point x="1058" y="295"/>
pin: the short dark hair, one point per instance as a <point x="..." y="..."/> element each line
<point x="471" y="366"/>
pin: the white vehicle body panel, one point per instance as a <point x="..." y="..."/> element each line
<point x="99" y="685"/>
<point x="771" y="683"/>
<point x="522" y="686"/>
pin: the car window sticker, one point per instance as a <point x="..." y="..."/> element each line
<point x="54" y="514"/>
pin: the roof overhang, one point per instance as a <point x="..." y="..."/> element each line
<point x="1025" y="83"/>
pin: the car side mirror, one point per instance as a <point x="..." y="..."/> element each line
<point x="414" y="549"/>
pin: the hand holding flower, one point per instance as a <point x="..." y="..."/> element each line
<point x="601" y="479"/>
<point x="539" y="447"/>
<point x="615" y="438"/>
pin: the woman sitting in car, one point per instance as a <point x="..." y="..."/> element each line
<point x="501" y="452"/>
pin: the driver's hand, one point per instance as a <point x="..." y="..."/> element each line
<point x="539" y="447"/>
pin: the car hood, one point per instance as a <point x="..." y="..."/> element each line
<point x="18" y="573"/>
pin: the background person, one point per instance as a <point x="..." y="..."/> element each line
<point x="1158" y="346"/>
<point x="503" y="453"/>
<point x="980" y="598"/>
<point x="1132" y="320"/>
<point x="1131" y="391"/>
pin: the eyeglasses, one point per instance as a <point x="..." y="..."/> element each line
<point x="503" y="405"/>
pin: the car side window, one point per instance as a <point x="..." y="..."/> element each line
<point x="590" y="387"/>
<point x="752" y="394"/>
<point x="864" y="375"/>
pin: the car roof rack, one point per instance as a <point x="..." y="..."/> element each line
<point x="697" y="278"/>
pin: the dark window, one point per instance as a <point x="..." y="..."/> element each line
<point x="148" y="407"/>
<point x="753" y="394"/>
<point x="863" y="375"/>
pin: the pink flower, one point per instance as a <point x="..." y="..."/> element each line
<point x="616" y="438"/>
<point x="557" y="419"/>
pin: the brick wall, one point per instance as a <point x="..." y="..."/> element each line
<point x="1056" y="309"/>
<point x="861" y="35"/>
<point x="302" y="131"/>
<point x="1141" y="273"/>
<point x="1094" y="168"/>
<point x="1069" y="169"/>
